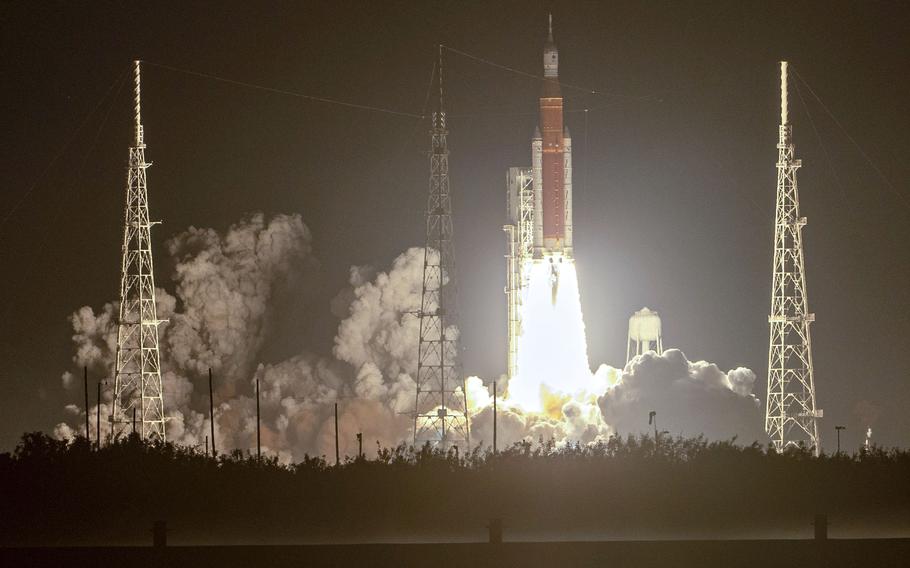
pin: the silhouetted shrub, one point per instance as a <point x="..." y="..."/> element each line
<point x="72" y="492"/>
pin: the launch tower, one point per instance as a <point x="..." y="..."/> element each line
<point x="791" y="418"/>
<point x="441" y="412"/>
<point x="137" y="378"/>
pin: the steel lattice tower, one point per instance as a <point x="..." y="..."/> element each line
<point x="441" y="416"/>
<point x="137" y="380"/>
<point x="791" y="417"/>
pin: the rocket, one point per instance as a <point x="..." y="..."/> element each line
<point x="551" y="158"/>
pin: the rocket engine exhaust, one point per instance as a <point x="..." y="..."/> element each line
<point x="547" y="345"/>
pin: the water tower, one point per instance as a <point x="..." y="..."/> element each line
<point x="644" y="334"/>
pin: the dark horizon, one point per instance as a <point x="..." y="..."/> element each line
<point x="674" y="170"/>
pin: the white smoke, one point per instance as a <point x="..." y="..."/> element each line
<point x="381" y="326"/>
<point x="220" y="317"/>
<point x="229" y="288"/>
<point x="225" y="284"/>
<point x="690" y="398"/>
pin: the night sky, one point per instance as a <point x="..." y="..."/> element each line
<point x="674" y="168"/>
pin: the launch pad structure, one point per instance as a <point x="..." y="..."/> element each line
<point x="137" y="376"/>
<point x="441" y="406"/>
<point x="539" y="234"/>
<point x="791" y="417"/>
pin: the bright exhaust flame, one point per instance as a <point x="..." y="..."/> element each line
<point x="552" y="350"/>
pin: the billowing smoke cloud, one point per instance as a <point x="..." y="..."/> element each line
<point x="220" y="317"/>
<point x="690" y="398"/>
<point x="226" y="283"/>
<point x="381" y="327"/>
<point x="229" y="288"/>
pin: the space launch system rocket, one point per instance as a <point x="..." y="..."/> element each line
<point x="551" y="152"/>
<point x="539" y="204"/>
<point x="551" y="159"/>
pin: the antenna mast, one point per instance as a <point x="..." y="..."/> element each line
<point x="137" y="377"/>
<point x="791" y="417"/>
<point x="441" y="416"/>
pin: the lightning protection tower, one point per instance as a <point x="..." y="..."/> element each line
<point x="791" y="418"/>
<point x="441" y="415"/>
<point x="137" y="378"/>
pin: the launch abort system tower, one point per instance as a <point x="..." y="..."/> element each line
<point x="441" y="411"/>
<point x="137" y="377"/>
<point x="791" y="417"/>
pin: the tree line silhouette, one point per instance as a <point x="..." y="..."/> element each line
<point x="71" y="492"/>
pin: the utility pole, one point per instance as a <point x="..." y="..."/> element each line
<point x="212" y="413"/>
<point x="838" y="429"/>
<point x="441" y="408"/>
<point x="791" y="417"/>
<point x="98" y="418"/>
<point x="258" y="438"/>
<point x="137" y="376"/>
<point x="337" y="454"/>
<point x="494" y="418"/>
<point x="85" y="384"/>
<point x="652" y="419"/>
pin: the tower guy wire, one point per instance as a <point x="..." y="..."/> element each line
<point x="284" y="91"/>
<point x="901" y="197"/>
<point x="117" y="83"/>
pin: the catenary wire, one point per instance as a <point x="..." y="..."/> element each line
<point x="903" y="198"/>
<point x="43" y="248"/>
<point x="585" y="90"/>
<point x="283" y="91"/>
<point x="63" y="149"/>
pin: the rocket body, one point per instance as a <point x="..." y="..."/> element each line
<point x="553" y="168"/>
<point x="551" y="151"/>
<point x="551" y="159"/>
